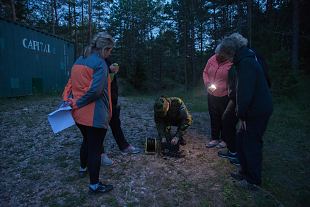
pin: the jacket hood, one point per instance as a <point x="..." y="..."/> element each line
<point x="243" y="52"/>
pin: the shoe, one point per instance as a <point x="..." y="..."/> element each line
<point x="105" y="160"/>
<point x="246" y="185"/>
<point x="82" y="172"/>
<point x="101" y="188"/>
<point x="130" y="150"/>
<point x="182" y="142"/>
<point x="212" y="143"/>
<point x="235" y="162"/>
<point x="227" y="154"/>
<point x="222" y="144"/>
<point x="237" y="176"/>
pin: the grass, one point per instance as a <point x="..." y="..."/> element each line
<point x="195" y="99"/>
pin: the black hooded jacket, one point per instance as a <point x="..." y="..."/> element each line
<point x="253" y="97"/>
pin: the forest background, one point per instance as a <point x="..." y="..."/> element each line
<point x="162" y="48"/>
<point x="166" y="44"/>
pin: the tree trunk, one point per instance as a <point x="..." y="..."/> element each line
<point x="53" y="16"/>
<point x="249" y="21"/>
<point x="214" y="24"/>
<point x="69" y="18"/>
<point x="13" y="10"/>
<point x="82" y="32"/>
<point x="240" y="16"/>
<point x="269" y="6"/>
<point x="75" y="29"/>
<point x="89" y="20"/>
<point x="295" y="37"/>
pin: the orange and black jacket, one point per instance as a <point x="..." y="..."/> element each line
<point x="89" y="88"/>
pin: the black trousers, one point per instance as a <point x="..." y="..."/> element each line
<point x="90" y="151"/>
<point x="250" y="148"/>
<point x="115" y="125"/>
<point x="229" y="120"/>
<point x="216" y="106"/>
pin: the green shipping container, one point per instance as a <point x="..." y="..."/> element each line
<point x="32" y="61"/>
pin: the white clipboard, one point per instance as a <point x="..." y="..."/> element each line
<point x="61" y="119"/>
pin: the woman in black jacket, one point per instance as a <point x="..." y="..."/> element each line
<point x="253" y="109"/>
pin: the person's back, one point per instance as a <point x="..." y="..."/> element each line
<point x="261" y="60"/>
<point x="176" y="114"/>
<point x="171" y="112"/>
<point x="253" y="96"/>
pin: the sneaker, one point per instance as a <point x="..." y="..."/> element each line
<point x="246" y="185"/>
<point x="222" y="144"/>
<point x="235" y="162"/>
<point x="82" y="172"/>
<point x="101" y="188"/>
<point x="212" y="143"/>
<point x="237" y="176"/>
<point x="105" y="160"/>
<point x="130" y="150"/>
<point x="227" y="154"/>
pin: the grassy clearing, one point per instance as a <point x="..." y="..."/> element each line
<point x="286" y="149"/>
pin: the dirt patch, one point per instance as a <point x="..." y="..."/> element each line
<point x="39" y="168"/>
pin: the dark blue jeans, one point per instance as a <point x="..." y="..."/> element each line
<point x="229" y="120"/>
<point x="250" y="148"/>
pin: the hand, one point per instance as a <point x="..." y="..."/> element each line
<point x="243" y="125"/>
<point x="164" y="140"/>
<point x="175" y="140"/>
<point x="114" y="68"/>
<point x="66" y="103"/>
<point x="72" y="103"/>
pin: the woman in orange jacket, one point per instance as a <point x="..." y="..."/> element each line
<point x="89" y="86"/>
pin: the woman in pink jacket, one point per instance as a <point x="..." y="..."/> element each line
<point x="215" y="76"/>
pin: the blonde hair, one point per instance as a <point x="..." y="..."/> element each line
<point x="100" y="42"/>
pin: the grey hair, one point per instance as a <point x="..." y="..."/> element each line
<point x="100" y="42"/>
<point x="239" y="40"/>
<point x="226" y="48"/>
<point x="217" y="49"/>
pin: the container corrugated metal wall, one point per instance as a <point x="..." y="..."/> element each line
<point x="32" y="61"/>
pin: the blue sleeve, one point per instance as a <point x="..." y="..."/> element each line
<point x="245" y="86"/>
<point x="100" y="77"/>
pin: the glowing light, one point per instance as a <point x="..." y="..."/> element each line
<point x="212" y="87"/>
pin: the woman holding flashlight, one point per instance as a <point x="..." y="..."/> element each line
<point x="215" y="76"/>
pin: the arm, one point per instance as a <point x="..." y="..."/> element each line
<point x="186" y="121"/>
<point x="114" y="68"/>
<point x="100" y="77"/>
<point x="245" y="86"/>
<point x="161" y="129"/>
<point x="67" y="93"/>
<point x="205" y="75"/>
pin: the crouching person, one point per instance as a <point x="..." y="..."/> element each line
<point x="171" y="111"/>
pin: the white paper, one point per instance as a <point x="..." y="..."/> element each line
<point x="61" y="119"/>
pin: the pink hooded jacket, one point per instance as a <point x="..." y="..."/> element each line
<point x="217" y="74"/>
